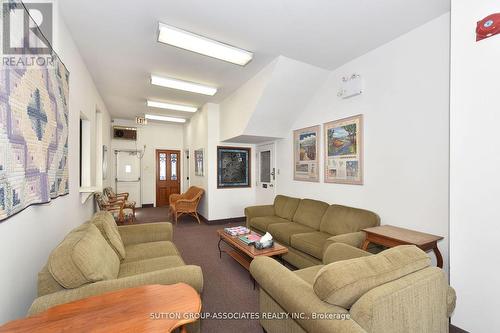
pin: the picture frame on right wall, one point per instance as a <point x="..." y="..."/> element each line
<point x="344" y="150"/>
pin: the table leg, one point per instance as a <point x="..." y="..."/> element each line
<point x="218" y="246"/>
<point x="439" y="258"/>
<point x="365" y="244"/>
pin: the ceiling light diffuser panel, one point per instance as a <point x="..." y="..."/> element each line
<point x="172" y="83"/>
<point x="170" y="106"/>
<point x="203" y="45"/>
<point x="164" y="118"/>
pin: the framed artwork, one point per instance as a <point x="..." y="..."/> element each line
<point x="233" y="167"/>
<point x="344" y="151"/>
<point x="306" y="154"/>
<point x="198" y="162"/>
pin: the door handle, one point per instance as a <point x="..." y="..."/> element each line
<point x="273" y="173"/>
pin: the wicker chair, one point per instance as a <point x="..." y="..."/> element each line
<point x="186" y="203"/>
<point x="117" y="208"/>
<point x="112" y="196"/>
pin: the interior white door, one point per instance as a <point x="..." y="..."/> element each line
<point x="266" y="173"/>
<point x="128" y="175"/>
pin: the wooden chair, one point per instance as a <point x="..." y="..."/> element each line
<point x="112" y="196"/>
<point x="186" y="203"/>
<point x="117" y="208"/>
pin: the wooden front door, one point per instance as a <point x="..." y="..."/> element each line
<point x="168" y="178"/>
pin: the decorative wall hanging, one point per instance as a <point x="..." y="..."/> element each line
<point x="344" y="151"/>
<point x="306" y="154"/>
<point x="198" y="162"/>
<point x="33" y="132"/>
<point x="233" y="167"/>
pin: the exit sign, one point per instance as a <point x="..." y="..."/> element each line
<point x="141" y="120"/>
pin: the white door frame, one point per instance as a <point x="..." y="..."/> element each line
<point x="140" y="170"/>
<point x="270" y="187"/>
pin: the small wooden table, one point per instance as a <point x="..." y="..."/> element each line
<point x="390" y="236"/>
<point x="243" y="253"/>
<point x="152" y="308"/>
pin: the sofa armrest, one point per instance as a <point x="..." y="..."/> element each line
<point x="173" y="198"/>
<point x="295" y="295"/>
<point x="451" y="301"/>
<point x="256" y="211"/>
<point x="144" y="233"/>
<point x="355" y="239"/>
<point x="188" y="274"/>
<point x="340" y="251"/>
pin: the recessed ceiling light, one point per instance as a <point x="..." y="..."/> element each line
<point x="164" y="118"/>
<point x="170" y="106"/>
<point x="203" y="45"/>
<point x="169" y="82"/>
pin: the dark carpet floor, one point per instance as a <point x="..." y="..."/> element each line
<point x="227" y="285"/>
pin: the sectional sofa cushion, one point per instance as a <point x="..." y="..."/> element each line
<point x="285" y="207"/>
<point x="83" y="257"/>
<point x="311" y="243"/>
<point x="342" y="220"/>
<point x="310" y="212"/>
<point x="149" y="250"/>
<point x="106" y="224"/>
<point x="262" y="222"/>
<point x="342" y="283"/>
<point x="149" y="265"/>
<point x="282" y="232"/>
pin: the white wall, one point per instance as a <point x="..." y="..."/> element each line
<point x="225" y="202"/>
<point x="203" y="131"/>
<point x="237" y="109"/>
<point x="27" y="238"/>
<point x="405" y="107"/>
<point x="196" y="137"/>
<point x="154" y="135"/>
<point x="475" y="161"/>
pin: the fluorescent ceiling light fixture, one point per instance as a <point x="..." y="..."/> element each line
<point x="170" y="106"/>
<point x="199" y="44"/>
<point x="164" y="118"/>
<point x="169" y="82"/>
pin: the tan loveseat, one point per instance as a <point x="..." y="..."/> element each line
<point x="100" y="256"/>
<point x="395" y="291"/>
<point x="307" y="227"/>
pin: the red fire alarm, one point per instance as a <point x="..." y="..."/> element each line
<point x="487" y="27"/>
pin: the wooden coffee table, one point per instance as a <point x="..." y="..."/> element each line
<point x="152" y="308"/>
<point x="390" y="236"/>
<point x="243" y="253"/>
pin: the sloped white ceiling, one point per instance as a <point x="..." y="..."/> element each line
<point x="117" y="40"/>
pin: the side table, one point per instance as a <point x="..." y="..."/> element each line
<point x="390" y="236"/>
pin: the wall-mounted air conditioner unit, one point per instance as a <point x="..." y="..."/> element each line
<point x="126" y="133"/>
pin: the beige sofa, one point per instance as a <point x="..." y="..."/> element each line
<point x="395" y="291"/>
<point x="307" y="227"/>
<point x="100" y="256"/>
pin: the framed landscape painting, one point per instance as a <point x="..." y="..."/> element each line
<point x="198" y="162"/>
<point x="306" y="154"/>
<point x="233" y="167"/>
<point x="344" y="151"/>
